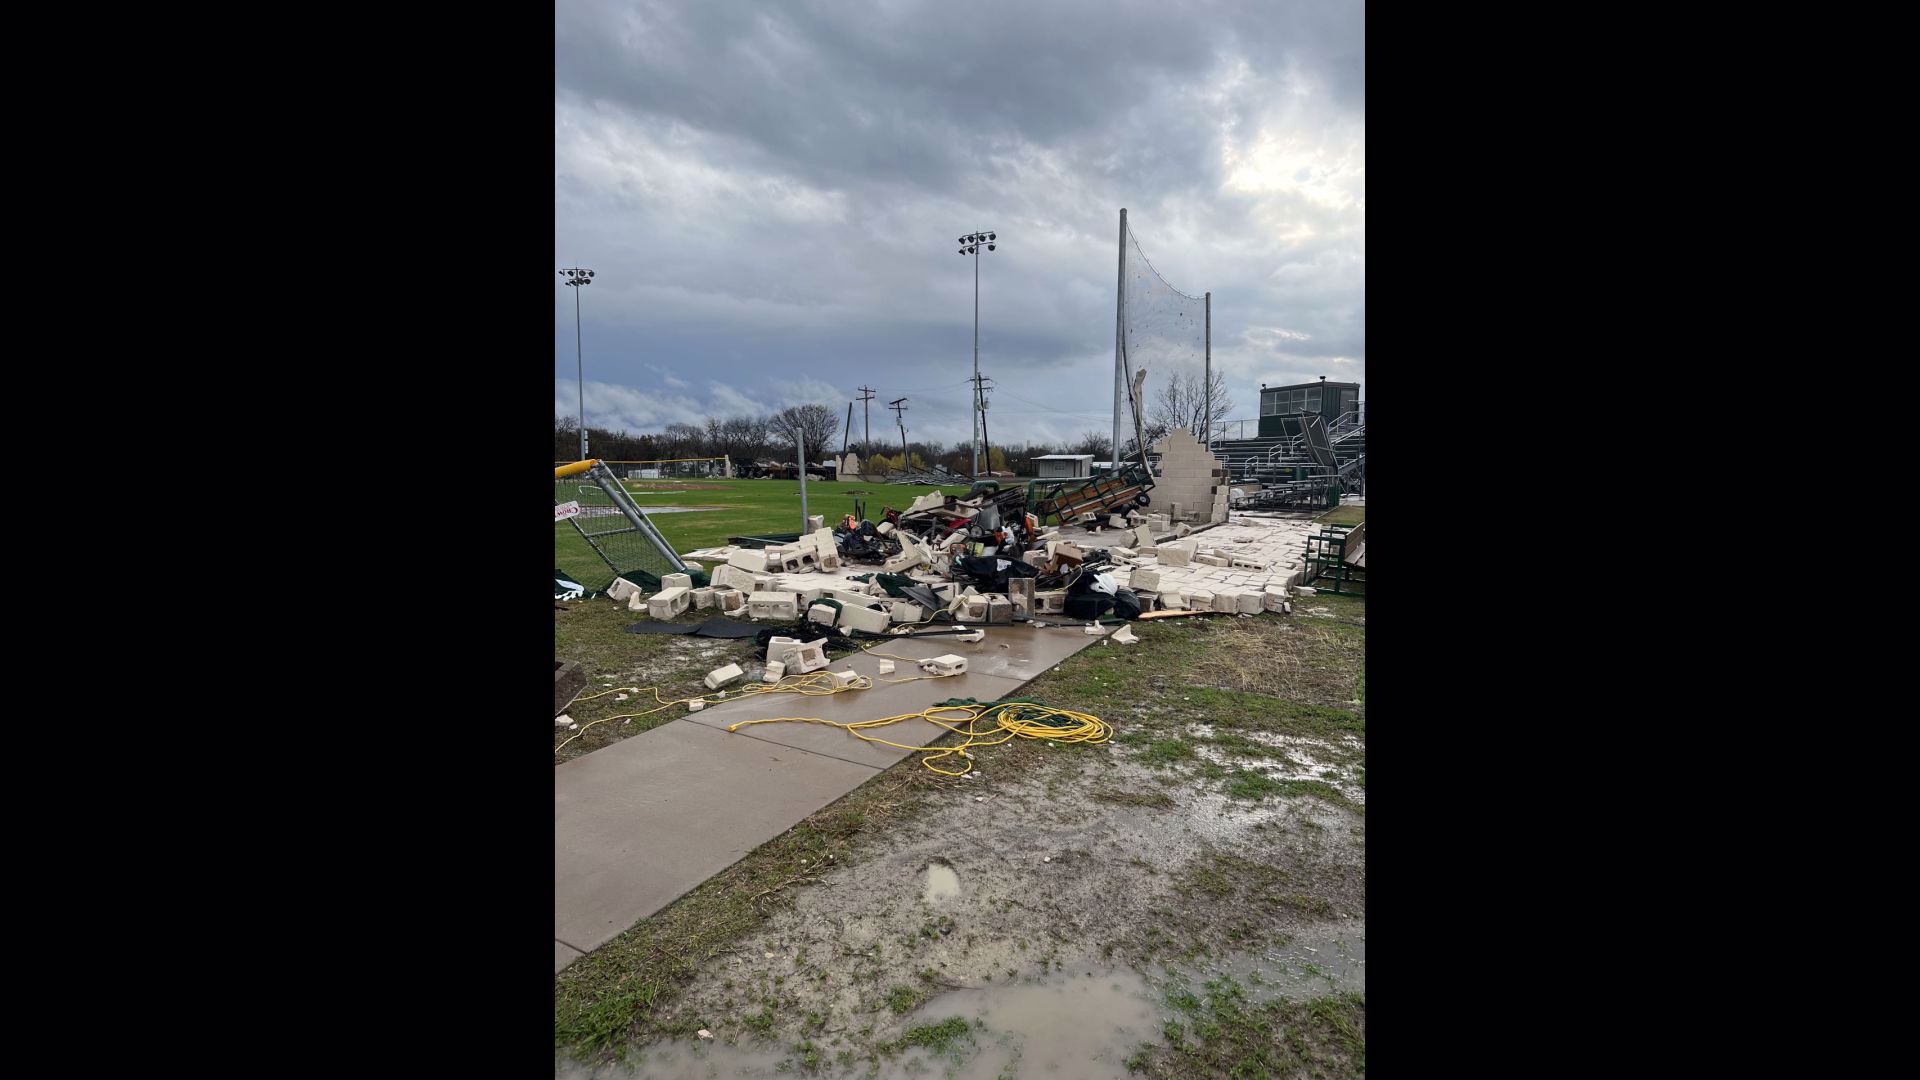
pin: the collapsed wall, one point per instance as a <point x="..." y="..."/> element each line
<point x="1192" y="484"/>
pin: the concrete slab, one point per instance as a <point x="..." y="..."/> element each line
<point x="639" y="823"/>
<point x="564" y="954"/>
<point x="1029" y="650"/>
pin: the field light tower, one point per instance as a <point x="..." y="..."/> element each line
<point x="578" y="277"/>
<point x="971" y="244"/>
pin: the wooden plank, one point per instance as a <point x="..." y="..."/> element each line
<point x="1176" y="614"/>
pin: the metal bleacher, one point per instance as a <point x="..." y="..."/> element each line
<point x="1296" y="469"/>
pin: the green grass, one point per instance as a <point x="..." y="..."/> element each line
<point x="1234" y="1037"/>
<point x="1343" y="515"/>
<point x="746" y="508"/>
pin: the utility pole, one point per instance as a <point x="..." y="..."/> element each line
<point x="1119" y="331"/>
<point x="846" y="433"/>
<point x="577" y="277"/>
<point x="970" y="245"/>
<point x="866" y="421"/>
<point x="900" y="415"/>
<point x="981" y="384"/>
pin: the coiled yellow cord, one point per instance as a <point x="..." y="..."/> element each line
<point x="1006" y="721"/>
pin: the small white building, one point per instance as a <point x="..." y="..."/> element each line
<point x="1063" y="466"/>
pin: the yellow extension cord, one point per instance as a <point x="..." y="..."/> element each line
<point x="1010" y="720"/>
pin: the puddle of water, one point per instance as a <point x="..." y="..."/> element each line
<point x="1081" y="1026"/>
<point x="942" y="882"/>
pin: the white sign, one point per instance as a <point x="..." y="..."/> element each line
<point x="566" y="510"/>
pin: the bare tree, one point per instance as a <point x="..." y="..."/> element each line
<point x="1097" y="443"/>
<point x="813" y="426"/>
<point x="1182" y="402"/>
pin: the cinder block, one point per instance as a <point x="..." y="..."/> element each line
<point x="1036" y="558"/>
<point x="1173" y="601"/>
<point x="871" y="620"/>
<point x="808" y="595"/>
<point x="1020" y="593"/>
<point x="1143" y="578"/>
<point x="816" y="521"/>
<point x="999" y="609"/>
<point x="752" y="560"/>
<point x="1049" y="601"/>
<point x="972" y="609"/>
<point x="830" y="561"/>
<point x="1305" y="590"/>
<point x="1181" y="529"/>
<point x="1198" y="599"/>
<point x="1213" y="560"/>
<point x="883" y="528"/>
<point x="1273" y="599"/>
<point x="906" y="611"/>
<point x="822" y="614"/>
<point x="773" y="604"/>
<point x="1175" y="554"/>
<point x="1144" y="533"/>
<point x="1227" y="600"/>
<point x="730" y="600"/>
<point x="1115" y="521"/>
<point x="727" y="575"/>
<point x="667" y="603"/>
<point x="1250" y="603"/>
<point x="636" y="601"/>
<point x="811" y="656"/>
<point x="677" y="581"/>
<point x="775" y="670"/>
<point x="720" y="677"/>
<point x="703" y="598"/>
<point x="622" y="588"/>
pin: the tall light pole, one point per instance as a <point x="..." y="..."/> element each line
<point x="577" y="277"/>
<point x="970" y="245"/>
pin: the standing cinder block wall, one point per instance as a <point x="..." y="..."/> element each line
<point x="1191" y="476"/>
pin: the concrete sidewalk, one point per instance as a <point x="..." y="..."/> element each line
<point x="641" y="822"/>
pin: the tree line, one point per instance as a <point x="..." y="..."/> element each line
<point x="749" y="439"/>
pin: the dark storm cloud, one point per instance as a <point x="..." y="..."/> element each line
<point x="770" y="193"/>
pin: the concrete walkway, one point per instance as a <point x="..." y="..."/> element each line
<point x="640" y="823"/>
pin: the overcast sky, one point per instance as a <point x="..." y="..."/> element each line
<point x="769" y="194"/>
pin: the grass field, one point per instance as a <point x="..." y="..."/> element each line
<point x="742" y="508"/>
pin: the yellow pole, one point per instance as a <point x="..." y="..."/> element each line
<point x="574" y="469"/>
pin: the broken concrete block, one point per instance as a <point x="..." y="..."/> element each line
<point x="886" y="667"/>
<point x="950" y="664"/>
<point x="797" y="562"/>
<point x="752" y="560"/>
<point x="727" y="575"/>
<point x="883" y="528"/>
<point x="971" y="609"/>
<point x="816" y="521"/>
<point x="830" y="561"/>
<point x="1175" y="554"/>
<point x="1035" y="558"/>
<point x="999" y="609"/>
<point x="1122" y="552"/>
<point x="1020" y="593"/>
<point x="1181" y="529"/>
<point x="677" y="581"/>
<point x="703" y="598"/>
<point x="720" y="677"/>
<point x="1115" y="521"/>
<point x="856" y="617"/>
<point x="730" y="600"/>
<point x="1173" y="601"/>
<point x="773" y="604"/>
<point x="1213" y="560"/>
<point x="906" y="611"/>
<point x="1244" y="562"/>
<point x="1273" y="599"/>
<point x="775" y="670"/>
<point x="1305" y="590"/>
<point x="636" y="601"/>
<point x="1067" y="553"/>
<point x="1250" y="603"/>
<point x="764" y="582"/>
<point x="696" y="705"/>
<point x="822" y="614"/>
<point x="1143" y="578"/>
<point x="667" y="603"/>
<point x="808" y="595"/>
<point x="810" y="656"/>
<point x="842" y="679"/>
<point x="622" y="588"/>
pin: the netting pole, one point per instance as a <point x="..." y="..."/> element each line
<point x="1207" y="376"/>
<point x="1119" y="313"/>
<point x="800" y="451"/>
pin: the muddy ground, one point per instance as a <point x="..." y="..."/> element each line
<point x="1202" y="876"/>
